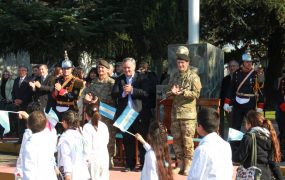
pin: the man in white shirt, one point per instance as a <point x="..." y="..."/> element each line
<point x="213" y="157"/>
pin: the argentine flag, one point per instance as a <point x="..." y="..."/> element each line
<point x="235" y="135"/>
<point x="107" y="111"/>
<point x="52" y="117"/>
<point x="4" y="121"/>
<point x="126" y="119"/>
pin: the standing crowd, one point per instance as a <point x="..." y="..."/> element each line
<point x="86" y="146"/>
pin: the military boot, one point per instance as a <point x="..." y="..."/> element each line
<point x="187" y="165"/>
<point x="179" y="167"/>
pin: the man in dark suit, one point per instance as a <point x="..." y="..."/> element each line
<point x="233" y="65"/>
<point x="22" y="96"/>
<point x="133" y="90"/>
<point x="42" y="87"/>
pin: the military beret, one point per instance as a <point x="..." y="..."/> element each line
<point x="104" y="63"/>
<point x="182" y="57"/>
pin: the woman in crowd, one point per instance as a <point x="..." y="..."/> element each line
<point x="91" y="76"/>
<point x="268" y="149"/>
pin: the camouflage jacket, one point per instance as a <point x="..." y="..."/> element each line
<point x="102" y="89"/>
<point x="184" y="105"/>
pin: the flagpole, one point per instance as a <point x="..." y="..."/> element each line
<point x="130" y="133"/>
<point x="11" y="111"/>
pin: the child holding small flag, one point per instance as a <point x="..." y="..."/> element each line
<point x="97" y="136"/>
<point x="71" y="145"/>
<point x="157" y="160"/>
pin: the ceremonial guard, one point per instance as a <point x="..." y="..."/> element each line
<point x="184" y="87"/>
<point x="67" y="89"/>
<point x="102" y="87"/>
<point x="245" y="92"/>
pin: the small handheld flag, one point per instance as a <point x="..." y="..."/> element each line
<point x="235" y="135"/>
<point x="107" y="111"/>
<point x="126" y="119"/>
<point x="52" y="117"/>
<point x="4" y="121"/>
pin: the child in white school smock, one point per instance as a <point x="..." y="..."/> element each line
<point x="97" y="136"/>
<point x="37" y="154"/>
<point x="71" y="154"/>
<point x="157" y="160"/>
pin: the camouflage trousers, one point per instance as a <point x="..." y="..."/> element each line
<point x="183" y="131"/>
<point x="112" y="136"/>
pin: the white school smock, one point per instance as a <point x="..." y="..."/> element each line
<point x="38" y="158"/>
<point x="149" y="171"/>
<point x="97" y="142"/>
<point x="71" y="155"/>
<point x="212" y="160"/>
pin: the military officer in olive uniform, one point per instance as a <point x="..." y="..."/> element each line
<point x="102" y="88"/>
<point x="67" y="90"/>
<point x="184" y="87"/>
<point x="246" y="91"/>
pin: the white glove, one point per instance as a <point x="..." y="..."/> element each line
<point x="259" y="110"/>
<point x="228" y="108"/>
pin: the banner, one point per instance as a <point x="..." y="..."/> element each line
<point x="126" y="119"/>
<point x="107" y="111"/>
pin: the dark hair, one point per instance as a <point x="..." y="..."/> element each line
<point x="92" y="70"/>
<point x="57" y="71"/>
<point x="34" y="106"/>
<point x="78" y="72"/>
<point x="71" y="118"/>
<point x="256" y="119"/>
<point x="92" y="110"/>
<point x="157" y="138"/>
<point x="37" y="121"/>
<point x="209" y="119"/>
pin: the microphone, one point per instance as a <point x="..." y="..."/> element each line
<point x="123" y="83"/>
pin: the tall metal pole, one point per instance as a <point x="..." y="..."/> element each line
<point x="193" y="21"/>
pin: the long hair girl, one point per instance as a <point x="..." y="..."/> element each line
<point x="92" y="110"/>
<point x="157" y="138"/>
<point x="256" y="119"/>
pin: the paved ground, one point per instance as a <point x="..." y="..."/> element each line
<point x="7" y="165"/>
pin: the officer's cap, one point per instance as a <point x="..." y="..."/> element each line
<point x="182" y="53"/>
<point x="182" y="57"/>
<point x="104" y="63"/>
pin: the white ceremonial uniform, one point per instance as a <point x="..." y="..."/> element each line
<point x="38" y="157"/>
<point x="149" y="171"/>
<point x="212" y="160"/>
<point x="97" y="150"/>
<point x="71" y="155"/>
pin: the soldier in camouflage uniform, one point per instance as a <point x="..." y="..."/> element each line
<point x="102" y="87"/>
<point x="185" y="88"/>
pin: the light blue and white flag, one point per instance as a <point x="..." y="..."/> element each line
<point x="126" y="119"/>
<point x="4" y="121"/>
<point x="107" y="111"/>
<point x="52" y="117"/>
<point x="235" y="135"/>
